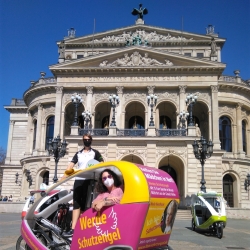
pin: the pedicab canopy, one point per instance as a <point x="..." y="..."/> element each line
<point x="139" y="221"/>
<point x="143" y="219"/>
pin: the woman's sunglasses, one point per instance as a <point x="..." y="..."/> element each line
<point x="86" y="139"/>
<point x="106" y="177"/>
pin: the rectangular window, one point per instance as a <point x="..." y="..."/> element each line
<point x="79" y="56"/>
<point x="187" y="54"/>
<point x="200" y="55"/>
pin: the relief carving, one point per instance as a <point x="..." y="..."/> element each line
<point x="144" y="35"/>
<point x="89" y="89"/>
<point x="167" y="95"/>
<point x="135" y="95"/>
<point x="166" y="151"/>
<point x="151" y="89"/>
<point x="119" y="89"/>
<point x="49" y="110"/>
<point x="226" y="109"/>
<point x="67" y="96"/>
<point x="182" y="89"/>
<point x="102" y="96"/>
<point x="59" y="89"/>
<point x="135" y="151"/>
<point x="136" y="59"/>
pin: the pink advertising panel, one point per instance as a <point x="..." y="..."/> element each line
<point x="164" y="198"/>
<point x="116" y="225"/>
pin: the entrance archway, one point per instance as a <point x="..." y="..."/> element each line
<point x="174" y="166"/>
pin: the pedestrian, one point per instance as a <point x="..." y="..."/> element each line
<point x="10" y="198"/>
<point x="32" y="198"/>
<point x="82" y="157"/>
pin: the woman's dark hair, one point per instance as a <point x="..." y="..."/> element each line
<point x="173" y="205"/>
<point x="101" y="188"/>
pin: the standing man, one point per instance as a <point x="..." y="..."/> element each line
<point x="82" y="157"/>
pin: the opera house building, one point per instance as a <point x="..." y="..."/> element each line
<point x="149" y="95"/>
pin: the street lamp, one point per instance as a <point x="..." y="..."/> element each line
<point x="202" y="151"/>
<point x="87" y="118"/>
<point x="190" y="101"/>
<point x="247" y="182"/>
<point x="76" y="99"/>
<point x="29" y="177"/>
<point x="58" y="150"/>
<point x="183" y="117"/>
<point x="114" y="101"/>
<point x="152" y="100"/>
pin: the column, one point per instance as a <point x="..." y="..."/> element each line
<point x="58" y="110"/>
<point x="62" y="124"/>
<point x="234" y="140"/>
<point x="39" y="126"/>
<point x="88" y="102"/>
<point x="89" y="96"/>
<point x="240" y="152"/>
<point x="30" y="135"/>
<point x="151" y="129"/>
<point x="215" y="119"/>
<point x="10" y="138"/>
<point x="119" y="108"/>
<point x="210" y="125"/>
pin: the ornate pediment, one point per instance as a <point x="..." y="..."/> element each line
<point x="150" y="37"/>
<point x="135" y="59"/>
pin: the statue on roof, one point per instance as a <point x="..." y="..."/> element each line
<point x="139" y="12"/>
<point x="213" y="47"/>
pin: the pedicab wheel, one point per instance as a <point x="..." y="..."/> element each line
<point x="193" y="225"/>
<point x="219" y="232"/>
<point x="21" y="244"/>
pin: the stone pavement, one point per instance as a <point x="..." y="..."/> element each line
<point x="236" y="235"/>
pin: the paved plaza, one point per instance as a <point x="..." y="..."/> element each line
<point x="236" y="235"/>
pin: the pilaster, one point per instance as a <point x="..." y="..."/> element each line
<point x="39" y="126"/>
<point x="10" y="138"/>
<point x="89" y="98"/>
<point x="58" y="110"/>
<point x="214" y="109"/>
<point x="240" y="152"/>
<point x="30" y="135"/>
<point x="119" y="90"/>
<point x="210" y="125"/>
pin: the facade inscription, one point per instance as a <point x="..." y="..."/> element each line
<point x="137" y="78"/>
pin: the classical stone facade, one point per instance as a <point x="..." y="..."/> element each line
<point x="132" y="63"/>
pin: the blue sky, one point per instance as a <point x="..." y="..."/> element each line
<point x="30" y="28"/>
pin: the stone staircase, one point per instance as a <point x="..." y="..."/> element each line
<point x="183" y="214"/>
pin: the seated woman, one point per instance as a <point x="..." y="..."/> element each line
<point x="108" y="187"/>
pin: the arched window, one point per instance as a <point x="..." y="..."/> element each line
<point x="34" y="134"/>
<point x="225" y="133"/>
<point x="165" y="122"/>
<point x="49" y="130"/>
<point x="244" y="136"/>
<point x="46" y="178"/>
